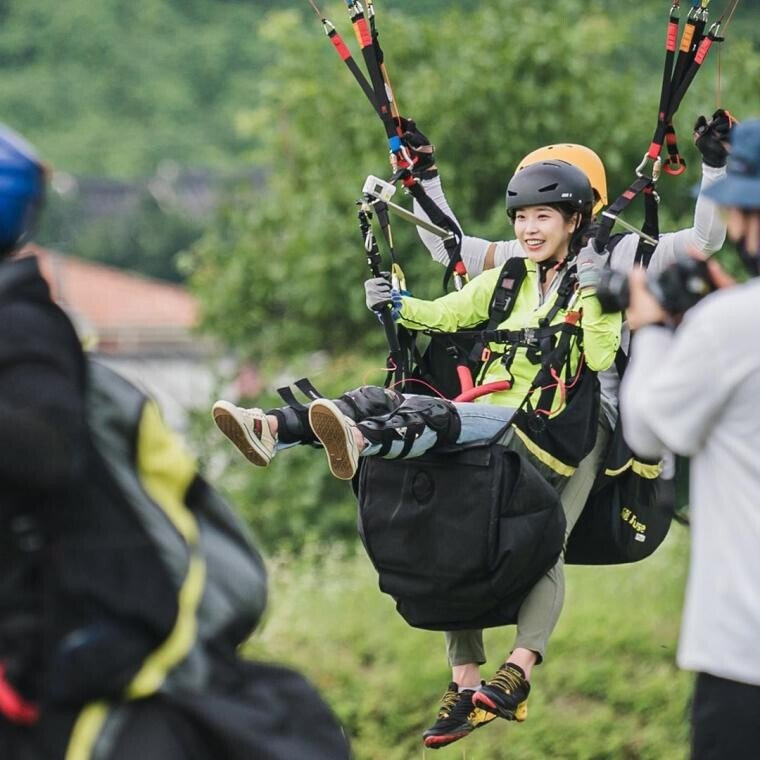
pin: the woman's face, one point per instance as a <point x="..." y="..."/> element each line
<point x="543" y="232"/>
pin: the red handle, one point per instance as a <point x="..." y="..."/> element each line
<point x="483" y="390"/>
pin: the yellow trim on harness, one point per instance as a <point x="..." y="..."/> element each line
<point x="86" y="731"/>
<point x="619" y="470"/>
<point x="642" y="469"/>
<point x="166" y="471"/>
<point x="648" y="471"/>
<point x="544" y="456"/>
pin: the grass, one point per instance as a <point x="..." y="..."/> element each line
<point x="608" y="689"/>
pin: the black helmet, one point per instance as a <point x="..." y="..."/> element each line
<point x="550" y="182"/>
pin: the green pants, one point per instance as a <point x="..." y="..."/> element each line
<point x="540" y="611"/>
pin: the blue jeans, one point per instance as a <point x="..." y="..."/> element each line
<point x="479" y="423"/>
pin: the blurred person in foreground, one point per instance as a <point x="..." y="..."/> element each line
<point x="126" y="582"/>
<point x="695" y="390"/>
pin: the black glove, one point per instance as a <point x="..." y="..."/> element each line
<point x="420" y="148"/>
<point x="711" y="137"/>
<point x="378" y="293"/>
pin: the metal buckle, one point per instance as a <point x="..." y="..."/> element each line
<point x="656" y="165"/>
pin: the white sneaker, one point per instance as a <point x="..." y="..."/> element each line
<point x="248" y="429"/>
<point x="335" y="431"/>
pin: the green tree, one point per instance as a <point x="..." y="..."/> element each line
<point x="115" y="87"/>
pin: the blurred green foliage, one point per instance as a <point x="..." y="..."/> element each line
<point x="608" y="690"/>
<point x="146" y="239"/>
<point x="113" y="88"/>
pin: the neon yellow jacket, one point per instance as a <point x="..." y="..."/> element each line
<point x="468" y="307"/>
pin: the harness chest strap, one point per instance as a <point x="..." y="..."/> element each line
<point x="510" y="281"/>
<point x="540" y="338"/>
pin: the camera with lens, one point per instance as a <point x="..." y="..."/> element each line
<point x="677" y="288"/>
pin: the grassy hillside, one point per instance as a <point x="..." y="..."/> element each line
<point x="609" y="688"/>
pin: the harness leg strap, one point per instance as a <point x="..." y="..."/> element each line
<point x="358" y="404"/>
<point x="407" y="423"/>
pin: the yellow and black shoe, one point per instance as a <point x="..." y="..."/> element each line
<point x="506" y="694"/>
<point x="457" y="717"/>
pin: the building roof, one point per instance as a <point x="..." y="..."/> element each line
<point x="127" y="312"/>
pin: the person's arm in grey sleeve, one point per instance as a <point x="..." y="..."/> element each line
<point x="708" y="233"/>
<point x="477" y="254"/>
<point x="672" y="392"/>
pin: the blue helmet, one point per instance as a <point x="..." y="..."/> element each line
<point x="22" y="189"/>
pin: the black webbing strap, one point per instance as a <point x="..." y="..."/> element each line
<point x="557" y="356"/>
<point x="645" y="249"/>
<point x="505" y="293"/>
<point x="621" y="203"/>
<point x="564" y="294"/>
<point x="556" y="360"/>
<point x="453" y="244"/>
<point x="675" y="82"/>
<point x="395" y="366"/>
<point x="621" y="361"/>
<point x="287" y="395"/>
<point x="306" y="387"/>
<point x="527" y="337"/>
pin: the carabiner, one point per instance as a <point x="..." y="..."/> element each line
<point x="398" y="280"/>
<point x="656" y="165"/>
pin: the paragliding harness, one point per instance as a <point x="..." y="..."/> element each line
<point x="626" y="515"/>
<point x="416" y="514"/>
<point x="457" y="362"/>
<point x="483" y="504"/>
<point x="156" y="589"/>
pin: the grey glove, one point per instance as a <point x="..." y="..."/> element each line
<point x="378" y="293"/>
<point x="589" y="265"/>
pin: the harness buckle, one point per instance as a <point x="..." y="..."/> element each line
<point x="656" y="165"/>
<point x="485" y="354"/>
<point x="529" y="336"/>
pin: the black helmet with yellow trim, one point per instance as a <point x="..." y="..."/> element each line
<point x="577" y="155"/>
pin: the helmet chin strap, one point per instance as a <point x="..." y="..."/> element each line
<point x="544" y="267"/>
